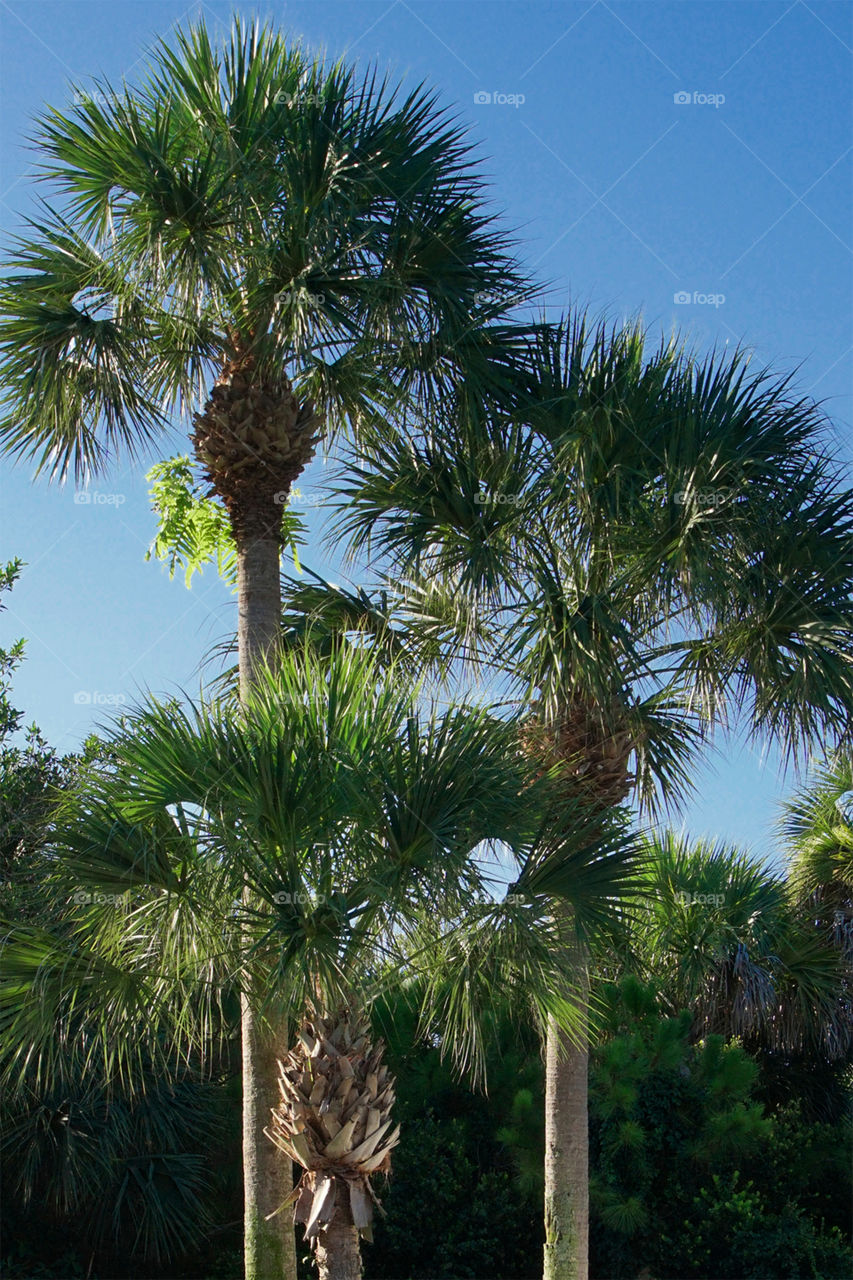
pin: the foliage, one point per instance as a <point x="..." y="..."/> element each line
<point x="31" y="775"/>
<point x="10" y="719"/>
<point x="454" y="1160"/>
<point x="333" y="834"/>
<point x="443" y="1176"/>
<point x="119" y="1173"/>
<point x="731" y="1233"/>
<point x="676" y="1133"/>
<point x="663" y="536"/>
<point x="194" y="529"/>
<point x="134" y="1170"/>
<point x="720" y="935"/>
<point x="817" y="825"/>
<point x="246" y="195"/>
<point x="673" y="1145"/>
<point x="351" y="816"/>
<point x="681" y="1154"/>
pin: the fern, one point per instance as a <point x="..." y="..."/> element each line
<point x="194" y="530"/>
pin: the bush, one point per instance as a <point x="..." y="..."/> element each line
<point x="450" y="1216"/>
<point x="732" y="1234"/>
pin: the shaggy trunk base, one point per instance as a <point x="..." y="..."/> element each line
<point x="269" y="1245"/>
<point x="337" y="1250"/>
<point x="566" y="1158"/>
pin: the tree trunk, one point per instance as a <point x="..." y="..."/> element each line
<point x="338" y="1254"/>
<point x="269" y="1246"/>
<point x="269" y="1243"/>
<point x="259" y="605"/>
<point x="567" y="1149"/>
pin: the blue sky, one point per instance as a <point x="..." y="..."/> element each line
<point x="643" y="150"/>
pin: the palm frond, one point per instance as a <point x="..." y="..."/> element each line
<point x="73" y="339"/>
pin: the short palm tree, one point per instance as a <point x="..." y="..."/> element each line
<point x="132" y="1164"/>
<point x="654" y="545"/>
<point x="274" y="248"/>
<point x="817" y="826"/>
<point x="719" y="935"/>
<point x="306" y="847"/>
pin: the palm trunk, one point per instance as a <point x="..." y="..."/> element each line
<point x="594" y="749"/>
<point x="259" y="605"/>
<point x="338" y="1254"/>
<point x="567" y="1149"/>
<point x="269" y="1243"/>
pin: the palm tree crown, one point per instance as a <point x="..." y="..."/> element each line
<point x="308" y="235"/>
<point x="655" y="543"/>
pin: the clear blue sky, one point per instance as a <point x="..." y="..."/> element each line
<point x="623" y="195"/>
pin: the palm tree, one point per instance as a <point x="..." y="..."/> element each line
<point x="652" y="546"/>
<point x="308" y="847"/>
<point x="133" y="1165"/>
<point x="719" y="935"/>
<point x="816" y="827"/>
<point x="818" y="831"/>
<point x="277" y="249"/>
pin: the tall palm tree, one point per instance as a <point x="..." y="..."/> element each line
<point x="358" y="824"/>
<point x="275" y="248"/>
<point x="654" y="545"/>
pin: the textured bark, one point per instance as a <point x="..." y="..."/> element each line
<point x="269" y="1243"/>
<point x="335" y="1113"/>
<point x="595" y="753"/>
<point x="338" y="1254"/>
<point x="259" y="605"/>
<point x="567" y="1152"/>
<point x="252" y="440"/>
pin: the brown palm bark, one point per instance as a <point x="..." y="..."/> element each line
<point x="567" y="1147"/>
<point x="334" y="1119"/>
<point x="258" y="605"/>
<point x="269" y="1243"/>
<point x="338" y="1253"/>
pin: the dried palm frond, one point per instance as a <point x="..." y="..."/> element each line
<point x="334" y="1120"/>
